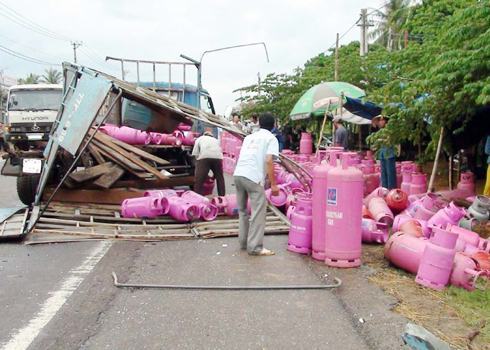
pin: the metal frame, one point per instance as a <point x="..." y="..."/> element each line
<point x="75" y="160"/>
<point x="154" y="64"/>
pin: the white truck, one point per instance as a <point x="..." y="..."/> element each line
<point x="31" y="111"/>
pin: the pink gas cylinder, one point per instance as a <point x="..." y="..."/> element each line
<point x="305" y="143"/>
<point x="179" y="137"/>
<point x="437" y="260"/>
<point x="397" y="200"/>
<point x="189" y="138"/>
<point x="466" y="183"/>
<point x="398" y="168"/>
<point x="155" y="138"/>
<point x="299" y="239"/>
<point x="370" y="155"/>
<point x="343" y="235"/>
<point x="184" y="127"/>
<point x="208" y="186"/>
<point x="208" y="211"/>
<point x="374" y="232"/>
<point x="228" y="204"/>
<point x="465" y="272"/>
<point x="465" y="237"/>
<point x="319" y="206"/>
<point x="380" y="211"/>
<point x="406" y="181"/>
<point x="413" y="228"/>
<point x="425" y="207"/>
<point x="371" y="180"/>
<point x="287" y="152"/>
<point x="405" y="251"/>
<point x="451" y="214"/>
<point x="182" y="210"/>
<point x="378" y="192"/>
<point x="129" y="135"/>
<point x="143" y="207"/>
<point x="418" y="183"/>
<point x="402" y="218"/>
<point x="281" y="199"/>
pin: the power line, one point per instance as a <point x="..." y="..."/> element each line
<point x="15" y="42"/>
<point x="21" y="20"/>
<point x="25" y="57"/>
<point x="344" y="34"/>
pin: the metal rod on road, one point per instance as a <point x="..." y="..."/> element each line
<point x="338" y="283"/>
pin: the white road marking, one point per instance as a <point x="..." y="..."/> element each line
<point x="25" y="336"/>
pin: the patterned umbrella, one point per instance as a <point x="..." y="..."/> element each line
<point x="322" y="96"/>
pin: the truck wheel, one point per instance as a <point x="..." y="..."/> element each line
<point x="26" y="188"/>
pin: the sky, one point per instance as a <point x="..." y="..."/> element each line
<point x="293" y="31"/>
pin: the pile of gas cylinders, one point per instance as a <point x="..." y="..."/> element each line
<point x="431" y="236"/>
<point x="231" y="146"/>
<point x="181" y="136"/>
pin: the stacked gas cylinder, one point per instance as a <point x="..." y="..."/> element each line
<point x="181" y="136"/>
<point x="182" y="206"/>
<point x="230" y="145"/>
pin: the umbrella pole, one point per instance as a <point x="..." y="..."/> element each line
<point x="323" y="128"/>
<point x="436" y="161"/>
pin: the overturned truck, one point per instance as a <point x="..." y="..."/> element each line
<point x="86" y="174"/>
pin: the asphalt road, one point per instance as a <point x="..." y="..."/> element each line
<point x="61" y="296"/>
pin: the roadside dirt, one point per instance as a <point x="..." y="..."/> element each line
<point x="463" y="325"/>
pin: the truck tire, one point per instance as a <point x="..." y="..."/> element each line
<point x="26" y="188"/>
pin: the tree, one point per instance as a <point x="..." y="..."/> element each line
<point x="52" y="76"/>
<point x="388" y="28"/>
<point x="30" y="79"/>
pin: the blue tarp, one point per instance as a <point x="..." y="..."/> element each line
<point x="366" y="110"/>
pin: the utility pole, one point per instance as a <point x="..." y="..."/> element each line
<point x="76" y="45"/>
<point x="405" y="38"/>
<point x="364" y="32"/>
<point x="336" y="72"/>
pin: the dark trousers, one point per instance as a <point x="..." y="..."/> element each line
<point x="388" y="173"/>
<point x="201" y="174"/>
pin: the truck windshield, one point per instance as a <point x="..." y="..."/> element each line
<point x="35" y="100"/>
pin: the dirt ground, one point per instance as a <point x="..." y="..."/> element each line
<point x="457" y="316"/>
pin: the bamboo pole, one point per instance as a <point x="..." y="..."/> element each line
<point x="323" y="127"/>
<point x="436" y="161"/>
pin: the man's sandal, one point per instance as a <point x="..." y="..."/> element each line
<point x="263" y="252"/>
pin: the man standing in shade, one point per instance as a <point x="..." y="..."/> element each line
<point x="255" y="161"/>
<point x="341" y="137"/>
<point x="209" y="156"/>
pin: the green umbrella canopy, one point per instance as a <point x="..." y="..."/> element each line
<point x="319" y="97"/>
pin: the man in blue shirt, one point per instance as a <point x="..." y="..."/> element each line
<point x="386" y="155"/>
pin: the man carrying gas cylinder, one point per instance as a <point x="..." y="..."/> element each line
<point x="255" y="161"/>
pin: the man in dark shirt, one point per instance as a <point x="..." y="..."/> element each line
<point x="341" y="137"/>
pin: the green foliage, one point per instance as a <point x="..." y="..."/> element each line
<point x="52" y="76"/>
<point x="441" y="78"/>
<point x="30" y="79"/>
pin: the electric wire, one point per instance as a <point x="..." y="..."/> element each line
<point x="25" y="57"/>
<point x="21" y="20"/>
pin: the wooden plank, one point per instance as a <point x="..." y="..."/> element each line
<point x="134" y="149"/>
<point x="114" y="155"/>
<point x="130" y="156"/>
<point x="170" y="182"/>
<point x="91" y="173"/>
<point x="111" y="196"/>
<point x="122" y="162"/>
<point x="96" y="154"/>
<point x="109" y="178"/>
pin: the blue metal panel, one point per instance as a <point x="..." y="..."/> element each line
<point x="80" y="111"/>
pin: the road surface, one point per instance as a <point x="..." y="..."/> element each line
<point x="61" y="296"/>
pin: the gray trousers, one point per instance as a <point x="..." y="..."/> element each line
<point x="252" y="228"/>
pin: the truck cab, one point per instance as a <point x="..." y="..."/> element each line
<point x="31" y="111"/>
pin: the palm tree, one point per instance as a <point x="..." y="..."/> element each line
<point x="30" y="79"/>
<point x="387" y="30"/>
<point x="52" y="76"/>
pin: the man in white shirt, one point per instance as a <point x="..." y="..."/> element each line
<point x="254" y="162"/>
<point x="209" y="156"/>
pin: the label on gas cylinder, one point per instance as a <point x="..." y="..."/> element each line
<point x="331" y="196"/>
<point x="334" y="214"/>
